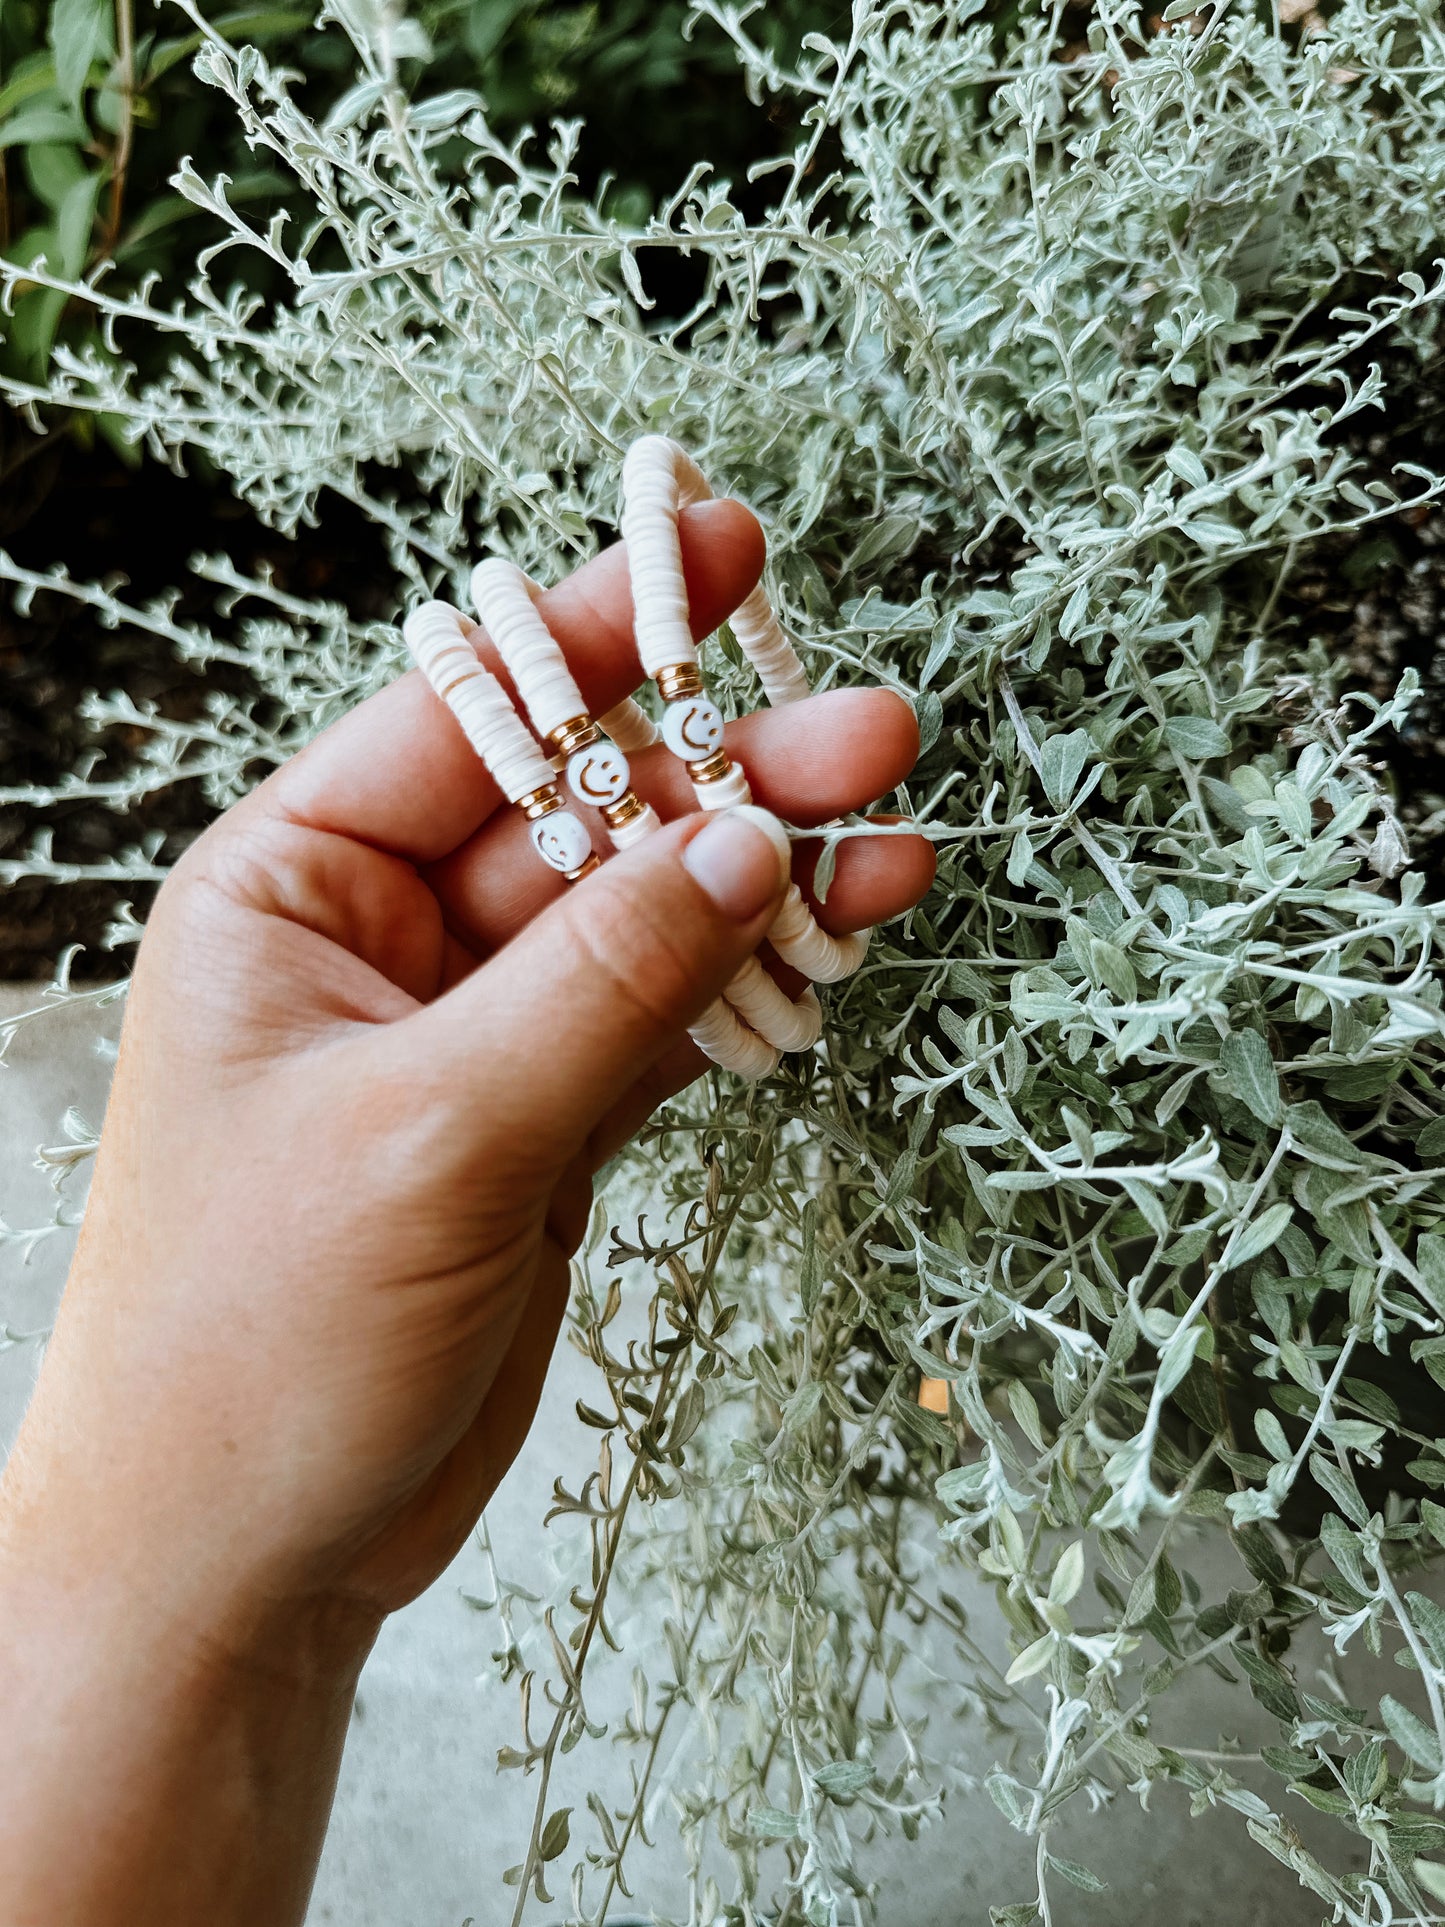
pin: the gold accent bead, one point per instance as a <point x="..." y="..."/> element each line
<point x="678" y="681"/>
<point x="539" y="802"/>
<point x="627" y="806"/>
<point x="594" y="862"/>
<point x="571" y="736"/>
<point x="712" y="768"/>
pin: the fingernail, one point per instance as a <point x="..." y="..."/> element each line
<point x="741" y="859"/>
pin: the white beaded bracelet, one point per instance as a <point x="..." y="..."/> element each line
<point x="746" y="1030"/>
<point x="437" y="637"/>
<point x="597" y="771"/>
<point x="659" y="480"/>
<point x="598" y="775"/>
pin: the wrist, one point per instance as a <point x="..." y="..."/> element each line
<point x="190" y="1742"/>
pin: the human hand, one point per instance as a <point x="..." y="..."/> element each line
<point x="374" y="1053"/>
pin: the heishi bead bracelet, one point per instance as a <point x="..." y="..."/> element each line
<point x="755" y="1020"/>
<point x="598" y="775"/>
<point x="438" y="639"/>
<point x="659" y="480"/>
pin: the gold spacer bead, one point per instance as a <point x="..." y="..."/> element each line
<point x="571" y="736"/>
<point x="594" y="862"/>
<point x="712" y="768"/>
<point x="678" y="681"/>
<point x="627" y="806"/>
<point x="540" y="802"/>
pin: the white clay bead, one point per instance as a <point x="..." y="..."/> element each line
<point x="800" y="940"/>
<point x="760" y="637"/>
<point x="624" y="835"/>
<point x="561" y="839"/>
<point x="629" y="726"/>
<point x="598" y="774"/>
<point x="692" y="728"/>
<point x="764" y="1004"/>
<point x="657" y="480"/>
<point x="504" y="599"/>
<point x="724" y="792"/>
<point x="437" y="638"/>
<point x="721" y="1035"/>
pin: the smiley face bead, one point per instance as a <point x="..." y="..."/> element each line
<point x="598" y="774"/>
<point x="561" y="840"/>
<point x="693" y="728"/>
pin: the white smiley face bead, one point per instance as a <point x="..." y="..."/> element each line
<point x="561" y="839"/>
<point x="692" y="729"/>
<point x="598" y="774"/>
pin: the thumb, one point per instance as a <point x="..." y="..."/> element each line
<point x="565" y="1020"/>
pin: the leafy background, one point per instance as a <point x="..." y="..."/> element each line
<point x="98" y="107"/>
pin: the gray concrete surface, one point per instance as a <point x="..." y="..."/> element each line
<point x="424" y="1823"/>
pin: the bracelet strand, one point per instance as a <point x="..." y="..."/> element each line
<point x="598" y="775"/>
<point x="437" y="636"/>
<point x="659" y="480"/>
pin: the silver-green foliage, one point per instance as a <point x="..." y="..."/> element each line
<point x="1044" y="368"/>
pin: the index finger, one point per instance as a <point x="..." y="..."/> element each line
<point x="398" y="774"/>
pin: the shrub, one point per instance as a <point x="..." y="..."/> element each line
<point x="98" y="107"/>
<point x="1046" y="365"/>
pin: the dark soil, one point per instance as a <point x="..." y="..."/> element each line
<point x="86" y="508"/>
<point x="1377" y="601"/>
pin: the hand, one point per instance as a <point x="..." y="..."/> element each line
<point x="373" y="1055"/>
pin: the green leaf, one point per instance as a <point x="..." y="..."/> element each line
<point x="1430" y="1263"/>
<point x="1113" y="968"/>
<point x="1261" y="1234"/>
<point x="771" y="1823"/>
<point x="1177" y="1357"/>
<point x="73" y="222"/>
<point x="844" y="1779"/>
<point x="79" y="31"/>
<point x="1271" y="1434"/>
<point x="929" y="711"/>
<point x="39" y="124"/>
<point x="1433" y="1516"/>
<point x="1341" y="1488"/>
<point x="1315" y="1130"/>
<point x="1196" y="737"/>
<point x="1410" y="1733"/>
<point x="1061" y="764"/>
<point x="1345" y="1552"/>
<point x="1430" y="1619"/>
<point x="556" y="1834"/>
<point x="1025" y="1408"/>
<point x="1366" y="1771"/>
<point x="1187" y="465"/>
<point x="1078" y="1876"/>
<point x="1068" y="1574"/>
<point x="1247" y="1072"/>
<point x="1033" y="1659"/>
